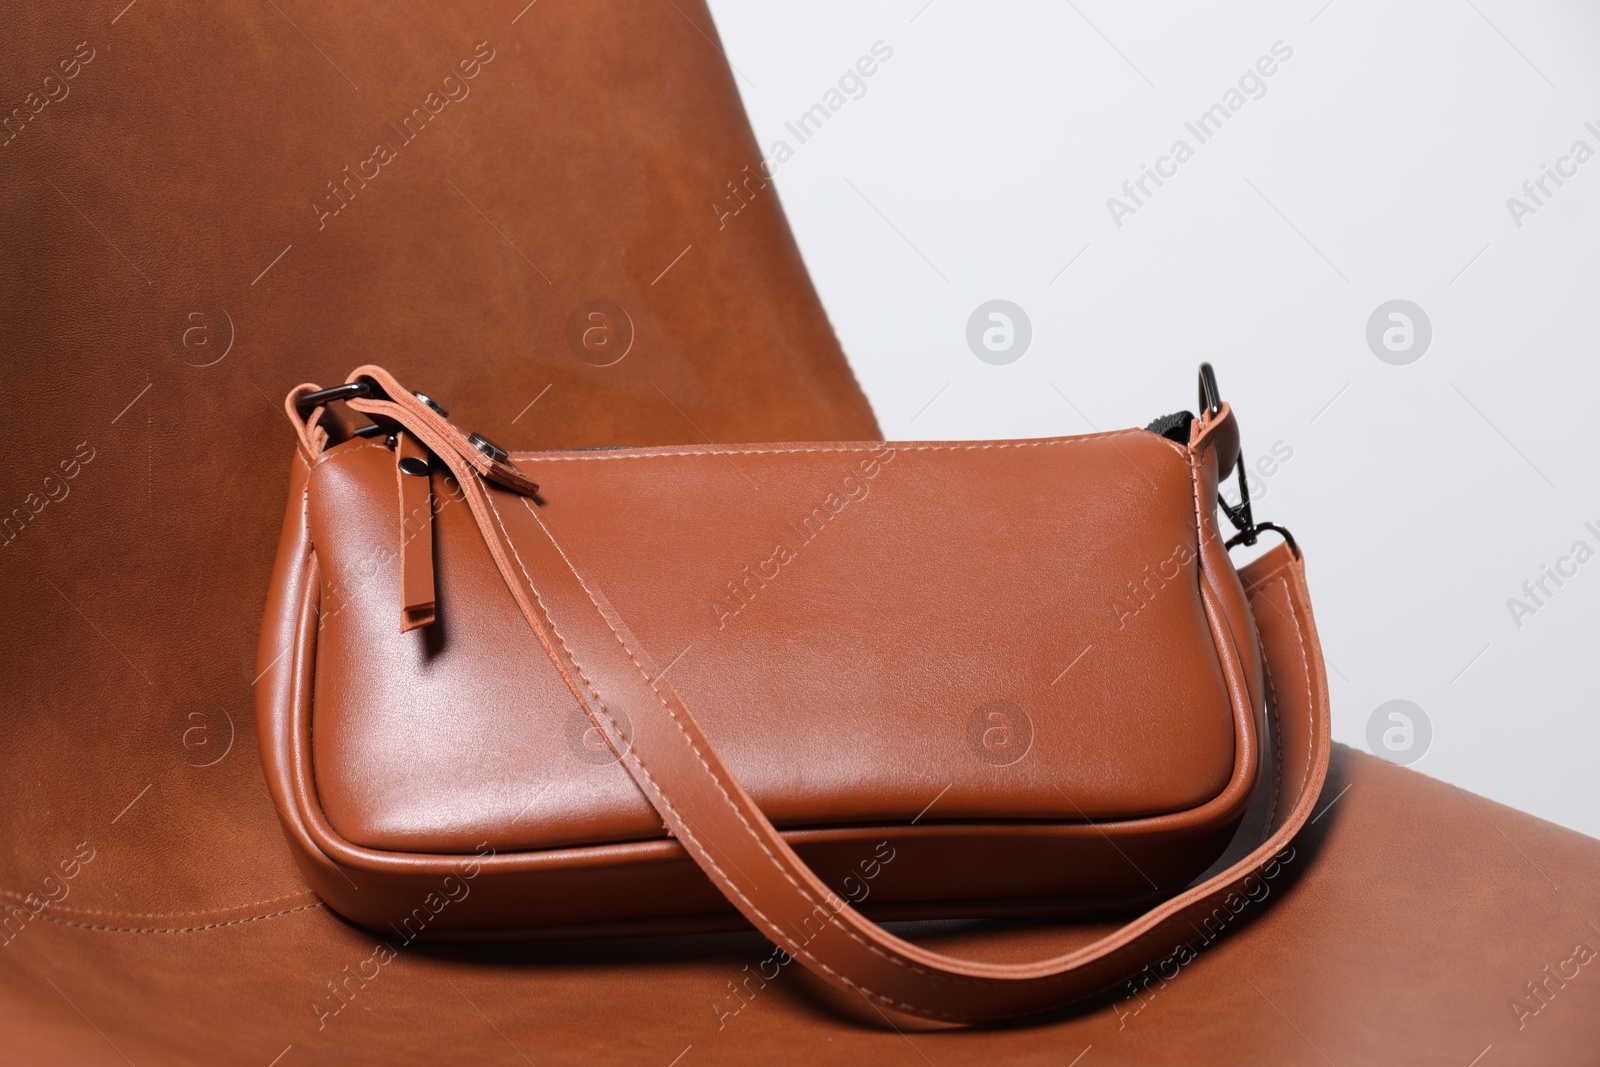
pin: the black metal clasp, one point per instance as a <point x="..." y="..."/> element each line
<point x="1240" y="514"/>
<point x="349" y="391"/>
<point x="370" y="389"/>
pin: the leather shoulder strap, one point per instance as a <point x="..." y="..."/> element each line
<point x="709" y="812"/>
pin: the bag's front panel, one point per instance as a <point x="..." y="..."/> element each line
<point x="446" y="737"/>
<point x="1007" y="631"/>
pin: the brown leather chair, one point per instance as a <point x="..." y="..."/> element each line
<point x="206" y="208"/>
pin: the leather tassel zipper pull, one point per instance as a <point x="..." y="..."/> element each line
<point x="417" y="606"/>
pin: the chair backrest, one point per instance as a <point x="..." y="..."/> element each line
<point x="519" y="211"/>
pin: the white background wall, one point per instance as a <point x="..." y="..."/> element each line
<point x="1375" y="166"/>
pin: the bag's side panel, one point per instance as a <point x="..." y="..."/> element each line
<point x="288" y="627"/>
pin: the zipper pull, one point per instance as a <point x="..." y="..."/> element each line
<point x="412" y="471"/>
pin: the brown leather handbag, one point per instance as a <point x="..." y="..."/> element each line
<point x="635" y="690"/>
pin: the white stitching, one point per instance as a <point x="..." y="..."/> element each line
<point x="869" y="446"/>
<point x="23" y="898"/>
<point x="1305" y="663"/>
<point x="47" y="917"/>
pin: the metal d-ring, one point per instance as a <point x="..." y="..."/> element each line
<point x="1260" y="528"/>
<point x="348" y="391"/>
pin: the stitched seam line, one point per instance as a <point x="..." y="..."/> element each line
<point x="1305" y="663"/>
<point x="305" y="503"/>
<point x="46" y="917"/>
<point x="1266" y="670"/>
<point x="330" y="457"/>
<point x="22" y="898"/>
<point x="867" y="447"/>
<point x="1203" y="580"/>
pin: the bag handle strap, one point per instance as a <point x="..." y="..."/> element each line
<point x="705" y="808"/>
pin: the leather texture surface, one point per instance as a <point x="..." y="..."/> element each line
<point x="1412" y="922"/>
<point x="1361" y="953"/>
<point x="828" y="715"/>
